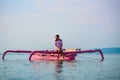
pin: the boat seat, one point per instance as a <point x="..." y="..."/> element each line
<point x="69" y="50"/>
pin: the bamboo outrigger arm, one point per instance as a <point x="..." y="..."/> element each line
<point x="15" y="51"/>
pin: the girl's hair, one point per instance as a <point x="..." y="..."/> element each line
<point x="57" y="35"/>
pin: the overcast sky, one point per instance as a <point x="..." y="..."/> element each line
<point x="33" y="24"/>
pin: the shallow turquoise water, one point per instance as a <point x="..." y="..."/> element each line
<point x="85" y="67"/>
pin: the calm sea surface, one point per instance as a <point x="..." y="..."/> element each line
<point x="85" y="67"/>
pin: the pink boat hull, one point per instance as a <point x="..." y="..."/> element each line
<point x="38" y="56"/>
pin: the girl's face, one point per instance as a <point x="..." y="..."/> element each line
<point x="56" y="37"/>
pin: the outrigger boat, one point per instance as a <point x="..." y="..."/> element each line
<point x="69" y="54"/>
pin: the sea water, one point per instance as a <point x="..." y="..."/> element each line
<point x="84" y="67"/>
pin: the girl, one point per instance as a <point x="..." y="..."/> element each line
<point x="58" y="45"/>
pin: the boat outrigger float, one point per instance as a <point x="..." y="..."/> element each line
<point x="68" y="54"/>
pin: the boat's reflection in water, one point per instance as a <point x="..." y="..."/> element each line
<point x="59" y="64"/>
<point x="57" y="69"/>
<point x="48" y="65"/>
<point x="62" y="69"/>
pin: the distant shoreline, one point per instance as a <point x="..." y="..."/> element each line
<point x="110" y="50"/>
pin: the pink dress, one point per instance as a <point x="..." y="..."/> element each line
<point x="58" y="44"/>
